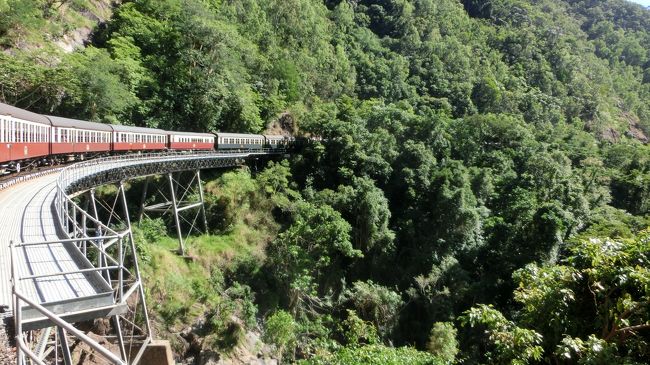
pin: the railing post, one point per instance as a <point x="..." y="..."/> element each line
<point x="84" y="223"/>
<point x="18" y="326"/>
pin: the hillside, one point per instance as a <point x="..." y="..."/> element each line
<point x="479" y="194"/>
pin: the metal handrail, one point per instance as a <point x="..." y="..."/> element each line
<point x="79" y="239"/>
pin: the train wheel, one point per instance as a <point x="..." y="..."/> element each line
<point x="18" y="167"/>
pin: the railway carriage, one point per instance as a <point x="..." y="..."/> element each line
<point x="274" y="142"/>
<point x="239" y="141"/>
<point x="190" y="141"/>
<point x="30" y="139"/>
<point x="24" y="137"/>
<point x="127" y="138"/>
<point x="78" y="137"/>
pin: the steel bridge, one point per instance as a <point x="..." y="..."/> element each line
<point x="64" y="265"/>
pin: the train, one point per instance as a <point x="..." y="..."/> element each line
<point x="29" y="139"/>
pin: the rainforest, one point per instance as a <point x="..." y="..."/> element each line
<point x="475" y="188"/>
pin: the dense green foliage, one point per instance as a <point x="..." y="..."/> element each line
<point x="467" y="150"/>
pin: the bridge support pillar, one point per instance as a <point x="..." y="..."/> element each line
<point x="181" y="196"/>
<point x="172" y="190"/>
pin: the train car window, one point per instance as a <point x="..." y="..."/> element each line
<point x="2" y="130"/>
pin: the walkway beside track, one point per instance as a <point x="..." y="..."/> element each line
<point x="28" y="214"/>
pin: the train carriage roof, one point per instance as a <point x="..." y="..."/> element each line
<point x="274" y="136"/>
<point x="238" y="135"/>
<point x="6" y="109"/>
<point x="199" y="134"/>
<point x="79" y="124"/>
<point x="131" y="129"/>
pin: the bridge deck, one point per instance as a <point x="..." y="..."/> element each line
<point x="27" y="215"/>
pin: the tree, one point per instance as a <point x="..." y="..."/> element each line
<point x="442" y="341"/>
<point x="592" y="306"/>
<point x="280" y="330"/>
<point x="307" y="259"/>
<point x="512" y="344"/>
<point x="375" y="303"/>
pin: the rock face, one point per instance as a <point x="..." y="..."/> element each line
<point x="7" y="351"/>
<point x="198" y="351"/>
<point x="73" y="40"/>
<point x="251" y="351"/>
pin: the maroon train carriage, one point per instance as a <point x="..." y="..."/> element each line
<point x="24" y="138"/>
<point x="72" y="137"/>
<point x="127" y="138"/>
<point x="190" y="141"/>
